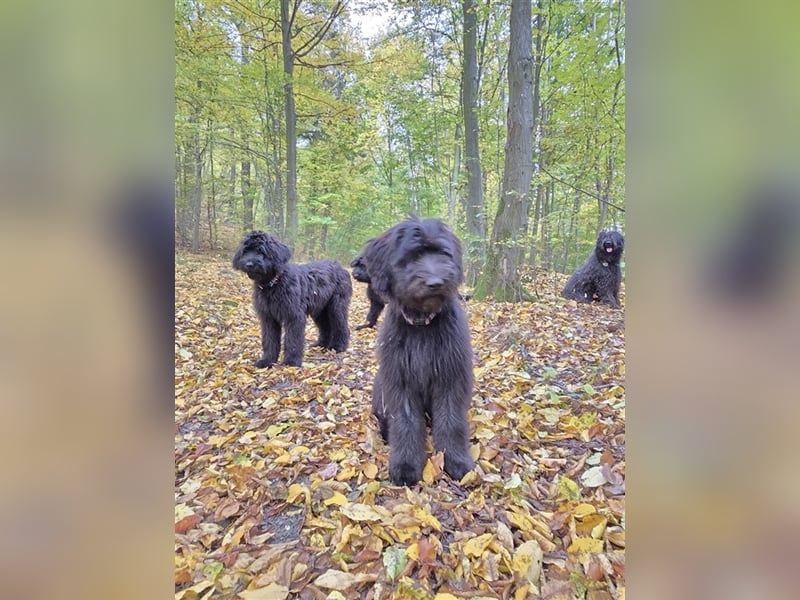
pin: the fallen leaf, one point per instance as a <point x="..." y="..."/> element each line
<point x="273" y="591"/>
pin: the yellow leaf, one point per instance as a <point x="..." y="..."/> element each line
<point x="283" y="459"/>
<point x="295" y="491"/>
<point x="218" y="440"/>
<point x="592" y="525"/>
<point x="362" y="512"/>
<point x="475" y="451"/>
<point x="581" y="545"/>
<point x="413" y="551"/>
<point x="426" y="518"/>
<point x="370" y="470"/>
<point x="583" y="510"/>
<point x="569" y="489"/>
<point x="338" y="499"/>
<point x="346" y="473"/>
<point x="246" y="437"/>
<point x="181" y="511"/>
<point x="469" y="477"/>
<point x="444" y="596"/>
<point x="274" y="430"/>
<point x="427" y="472"/>
<point x="522" y="592"/>
<point x="273" y="591"/>
<point x="527" y="562"/>
<point x="477" y="545"/>
<point x="194" y="591"/>
<point x="333" y="579"/>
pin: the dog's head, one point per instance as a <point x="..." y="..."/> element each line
<point x="416" y="263"/>
<point x="609" y="246"/>
<point x="360" y="269"/>
<point x="261" y="256"/>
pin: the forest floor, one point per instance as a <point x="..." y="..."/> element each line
<point x="281" y="475"/>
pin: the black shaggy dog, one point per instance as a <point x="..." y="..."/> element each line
<point x="424" y="352"/>
<point x="599" y="277"/>
<point x="376" y="303"/>
<point x="284" y="293"/>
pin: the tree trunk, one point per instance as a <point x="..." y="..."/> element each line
<point x="538" y="133"/>
<point x="476" y="226"/>
<point x="506" y="250"/>
<point x="291" y="125"/>
<point x="198" y="194"/>
<point x="248" y="219"/>
<point x="211" y="206"/>
<point x="452" y="187"/>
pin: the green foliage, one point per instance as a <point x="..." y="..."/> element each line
<point x="377" y="121"/>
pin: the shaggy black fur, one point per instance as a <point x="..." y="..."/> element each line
<point x="284" y="293"/>
<point x="376" y="303"/>
<point x="424" y="352"/>
<point x="600" y="276"/>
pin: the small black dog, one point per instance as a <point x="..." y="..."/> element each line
<point x="376" y="303"/>
<point x="600" y="276"/>
<point x="424" y="352"/>
<point x="284" y="293"/>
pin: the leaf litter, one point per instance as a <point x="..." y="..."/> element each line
<point x="282" y="484"/>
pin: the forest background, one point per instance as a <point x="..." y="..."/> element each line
<point x="324" y="122"/>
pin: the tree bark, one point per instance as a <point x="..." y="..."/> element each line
<point x="248" y="219"/>
<point x="291" y="124"/>
<point x="474" y="210"/>
<point x="506" y="250"/>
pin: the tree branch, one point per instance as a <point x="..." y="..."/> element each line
<point x="582" y="191"/>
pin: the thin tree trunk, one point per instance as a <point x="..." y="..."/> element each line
<point x="198" y="194"/>
<point x="291" y="124"/>
<point x="452" y="187"/>
<point x="248" y="220"/>
<point x="501" y="276"/>
<point x="476" y="225"/>
<point x="211" y="207"/>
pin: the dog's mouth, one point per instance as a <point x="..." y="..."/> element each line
<point x="609" y="246"/>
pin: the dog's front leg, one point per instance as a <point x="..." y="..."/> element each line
<point x="450" y="430"/>
<point x="294" y="340"/>
<point x="270" y="342"/>
<point x="406" y="439"/>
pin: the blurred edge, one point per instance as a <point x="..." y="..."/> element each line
<point x="713" y="300"/>
<point x="86" y="315"/>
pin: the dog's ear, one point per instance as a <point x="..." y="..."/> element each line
<point x="279" y="250"/>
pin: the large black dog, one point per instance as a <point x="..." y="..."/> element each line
<point x="600" y="276"/>
<point x="424" y="352"/>
<point x="284" y="293"/>
<point x="376" y="303"/>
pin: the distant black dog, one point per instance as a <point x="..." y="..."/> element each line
<point x="600" y="276"/>
<point x="376" y="303"/>
<point x="424" y="353"/>
<point x="284" y="293"/>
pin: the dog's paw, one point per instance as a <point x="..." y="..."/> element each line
<point x="293" y="362"/>
<point x="405" y="474"/>
<point x="457" y="466"/>
<point x="263" y="362"/>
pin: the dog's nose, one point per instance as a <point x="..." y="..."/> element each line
<point x="434" y="282"/>
<point x="250" y="264"/>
